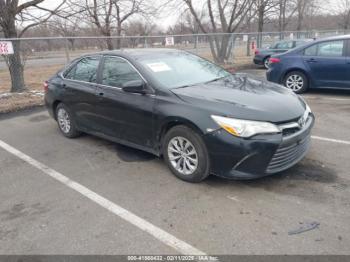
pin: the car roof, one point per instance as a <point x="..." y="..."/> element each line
<point x="294" y="39"/>
<point x="338" y="37"/>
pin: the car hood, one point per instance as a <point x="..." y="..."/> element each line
<point x="245" y="97"/>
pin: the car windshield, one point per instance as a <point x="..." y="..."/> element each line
<point x="180" y="69"/>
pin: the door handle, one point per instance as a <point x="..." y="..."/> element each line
<point x="100" y="93"/>
<point x="311" y="60"/>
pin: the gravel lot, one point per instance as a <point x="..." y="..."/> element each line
<point x="40" y="215"/>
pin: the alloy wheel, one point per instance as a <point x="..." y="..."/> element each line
<point x="63" y="120"/>
<point x="266" y="63"/>
<point x="182" y="155"/>
<point x="295" y="82"/>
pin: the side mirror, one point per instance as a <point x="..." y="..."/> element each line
<point x="134" y="86"/>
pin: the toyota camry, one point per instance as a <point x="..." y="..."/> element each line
<point x="199" y="117"/>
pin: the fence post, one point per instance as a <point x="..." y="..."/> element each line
<point x="232" y="40"/>
<point x="248" y="45"/>
<point x="66" y="50"/>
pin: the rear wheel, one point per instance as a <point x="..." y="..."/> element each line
<point x="185" y="154"/>
<point x="296" y="81"/>
<point x="266" y="62"/>
<point x="66" y="122"/>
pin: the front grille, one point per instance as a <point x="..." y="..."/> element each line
<point x="290" y="131"/>
<point x="286" y="156"/>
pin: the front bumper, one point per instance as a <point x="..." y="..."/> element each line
<point x="258" y="60"/>
<point x="260" y="156"/>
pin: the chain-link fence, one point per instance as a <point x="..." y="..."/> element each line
<point x="41" y="57"/>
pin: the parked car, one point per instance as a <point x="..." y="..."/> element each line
<point x="262" y="56"/>
<point x="201" y="118"/>
<point x="321" y="64"/>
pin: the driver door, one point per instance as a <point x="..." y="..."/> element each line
<point x="123" y="115"/>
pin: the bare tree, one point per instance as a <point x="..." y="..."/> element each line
<point x="140" y="28"/>
<point x="286" y="10"/>
<point x="69" y="27"/>
<point x="109" y="16"/>
<point x="264" y="11"/>
<point x="305" y="8"/>
<point x="12" y="13"/>
<point x="343" y="11"/>
<point x="225" y="16"/>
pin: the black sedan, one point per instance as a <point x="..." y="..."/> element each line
<point x="199" y="117"/>
<point x="263" y="55"/>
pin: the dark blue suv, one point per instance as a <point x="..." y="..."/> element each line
<point x="324" y="63"/>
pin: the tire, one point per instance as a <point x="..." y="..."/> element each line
<point x="196" y="171"/>
<point x="66" y="122"/>
<point x="296" y="81"/>
<point x="266" y="62"/>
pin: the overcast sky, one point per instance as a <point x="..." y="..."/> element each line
<point x="171" y="13"/>
<point x="167" y="16"/>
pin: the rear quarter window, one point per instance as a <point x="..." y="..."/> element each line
<point x="311" y="50"/>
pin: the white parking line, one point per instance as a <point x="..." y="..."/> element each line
<point x="331" y="140"/>
<point x="121" y="212"/>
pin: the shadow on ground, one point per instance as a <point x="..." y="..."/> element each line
<point x="310" y="179"/>
<point x="128" y="154"/>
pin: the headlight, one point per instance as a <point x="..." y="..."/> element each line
<point x="308" y="109"/>
<point x="245" y="128"/>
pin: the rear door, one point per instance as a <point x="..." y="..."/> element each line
<point x="79" y="91"/>
<point x="123" y="115"/>
<point x="327" y="64"/>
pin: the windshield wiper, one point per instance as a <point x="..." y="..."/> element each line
<point x="215" y="79"/>
<point x="183" y="86"/>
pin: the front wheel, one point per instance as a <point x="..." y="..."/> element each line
<point x="185" y="154"/>
<point x="296" y="81"/>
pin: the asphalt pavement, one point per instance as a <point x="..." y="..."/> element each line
<point x="57" y="206"/>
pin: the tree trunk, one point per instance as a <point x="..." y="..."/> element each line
<point x="109" y="44"/>
<point x="119" y="33"/>
<point x="16" y="69"/>
<point x="14" y="61"/>
<point x="109" y="41"/>
<point x="300" y="16"/>
<point x="224" y="49"/>
<point x="261" y="14"/>
<point x="213" y="48"/>
<point x="72" y="43"/>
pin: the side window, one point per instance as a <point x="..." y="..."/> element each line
<point x="285" y="45"/>
<point x="85" y="70"/>
<point x="332" y="48"/>
<point x="311" y="50"/>
<point x="299" y="43"/>
<point x="326" y="49"/>
<point x="117" y="71"/>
